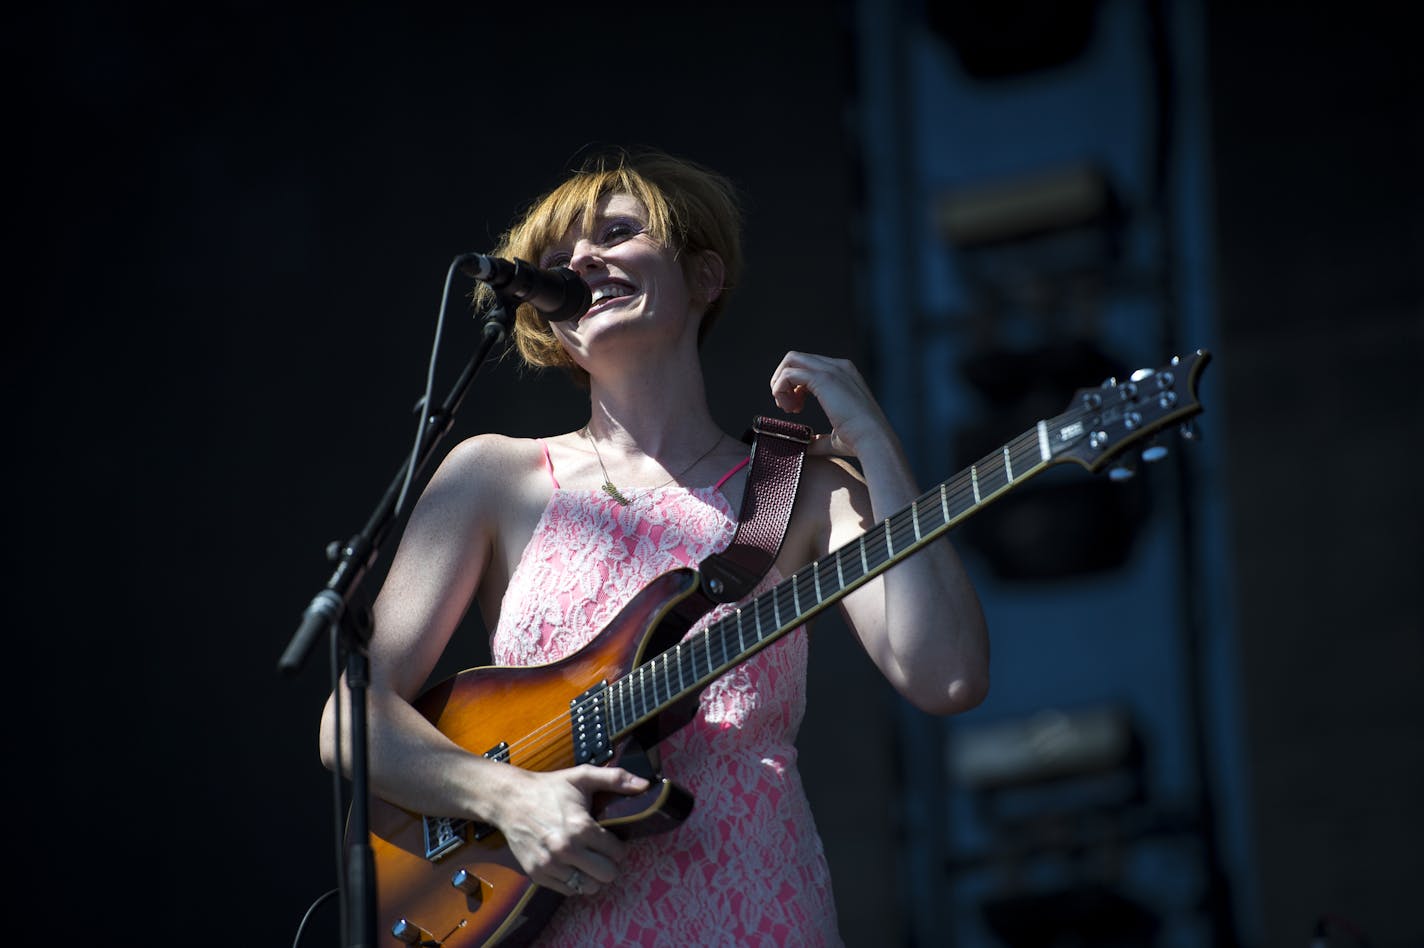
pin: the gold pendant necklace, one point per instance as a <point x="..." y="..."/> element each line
<point x="617" y="495"/>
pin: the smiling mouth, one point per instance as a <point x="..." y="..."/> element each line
<point x="607" y="293"/>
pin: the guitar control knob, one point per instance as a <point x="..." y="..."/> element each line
<point x="1097" y="440"/>
<point x="1131" y="420"/>
<point x="468" y="883"/>
<point x="1092" y="401"/>
<point x="404" y="931"/>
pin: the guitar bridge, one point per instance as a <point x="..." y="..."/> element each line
<point x="588" y="716"/>
<point x="444" y="834"/>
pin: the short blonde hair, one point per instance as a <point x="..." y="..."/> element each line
<point x="690" y="209"/>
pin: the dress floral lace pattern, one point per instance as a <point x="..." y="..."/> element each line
<point x="746" y="867"/>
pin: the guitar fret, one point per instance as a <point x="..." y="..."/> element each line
<point x="741" y="640"/>
<point x="816" y="581"/>
<point x="795" y="597"/>
<point x="642" y="689"/>
<point x="775" y="610"/>
<point x="864" y="564"/>
<point x="840" y="576"/>
<point x="974" y="480"/>
<point x="1044" y="452"/>
<point x="915" y="517"/>
<point x="944" y="503"/>
<point x="681" y="684"/>
<point x="906" y="542"/>
<point x="707" y="645"/>
<point x="1008" y="465"/>
<point x="889" y="540"/>
<point x="757" y="614"/>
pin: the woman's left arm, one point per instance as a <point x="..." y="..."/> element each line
<point x="920" y="621"/>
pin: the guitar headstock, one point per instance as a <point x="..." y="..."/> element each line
<point x="1101" y="423"/>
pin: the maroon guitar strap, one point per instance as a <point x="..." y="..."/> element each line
<point x="778" y="450"/>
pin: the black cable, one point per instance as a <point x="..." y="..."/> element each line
<point x="296" y="942"/>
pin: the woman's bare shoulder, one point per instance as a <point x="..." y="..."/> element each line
<point x="497" y="456"/>
<point x="825" y="475"/>
<point x="486" y="474"/>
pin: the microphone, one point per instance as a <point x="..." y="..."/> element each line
<point x="559" y="294"/>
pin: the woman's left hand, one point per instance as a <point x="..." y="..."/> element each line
<point x="855" y="416"/>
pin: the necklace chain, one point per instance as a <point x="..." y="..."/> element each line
<point x="616" y="494"/>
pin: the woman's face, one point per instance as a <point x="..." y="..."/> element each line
<point x="637" y="284"/>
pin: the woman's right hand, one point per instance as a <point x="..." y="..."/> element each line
<point x="546" y="822"/>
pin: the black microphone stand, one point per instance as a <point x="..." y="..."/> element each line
<point x="335" y="609"/>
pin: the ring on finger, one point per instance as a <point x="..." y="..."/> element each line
<point x="575" y="881"/>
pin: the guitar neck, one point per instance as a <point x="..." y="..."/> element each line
<point x="694" y="662"/>
<point x="1099" y="424"/>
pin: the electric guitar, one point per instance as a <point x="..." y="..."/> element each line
<point x="452" y="882"/>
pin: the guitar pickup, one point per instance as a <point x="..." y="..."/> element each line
<point x="588" y="717"/>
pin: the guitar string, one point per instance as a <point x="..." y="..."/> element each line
<point x="904" y="523"/>
<point x="896" y="523"/>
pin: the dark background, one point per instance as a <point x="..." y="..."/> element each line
<point x="230" y="225"/>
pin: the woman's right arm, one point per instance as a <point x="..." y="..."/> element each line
<point x="442" y="557"/>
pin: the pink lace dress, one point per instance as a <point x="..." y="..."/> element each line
<point x="746" y="868"/>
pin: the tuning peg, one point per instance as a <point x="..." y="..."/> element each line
<point x="1124" y="470"/>
<point x="1154" y="452"/>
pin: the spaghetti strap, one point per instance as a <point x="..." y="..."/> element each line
<point x="548" y="463"/>
<point x="725" y="477"/>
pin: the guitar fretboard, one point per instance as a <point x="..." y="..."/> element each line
<point x="688" y="666"/>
